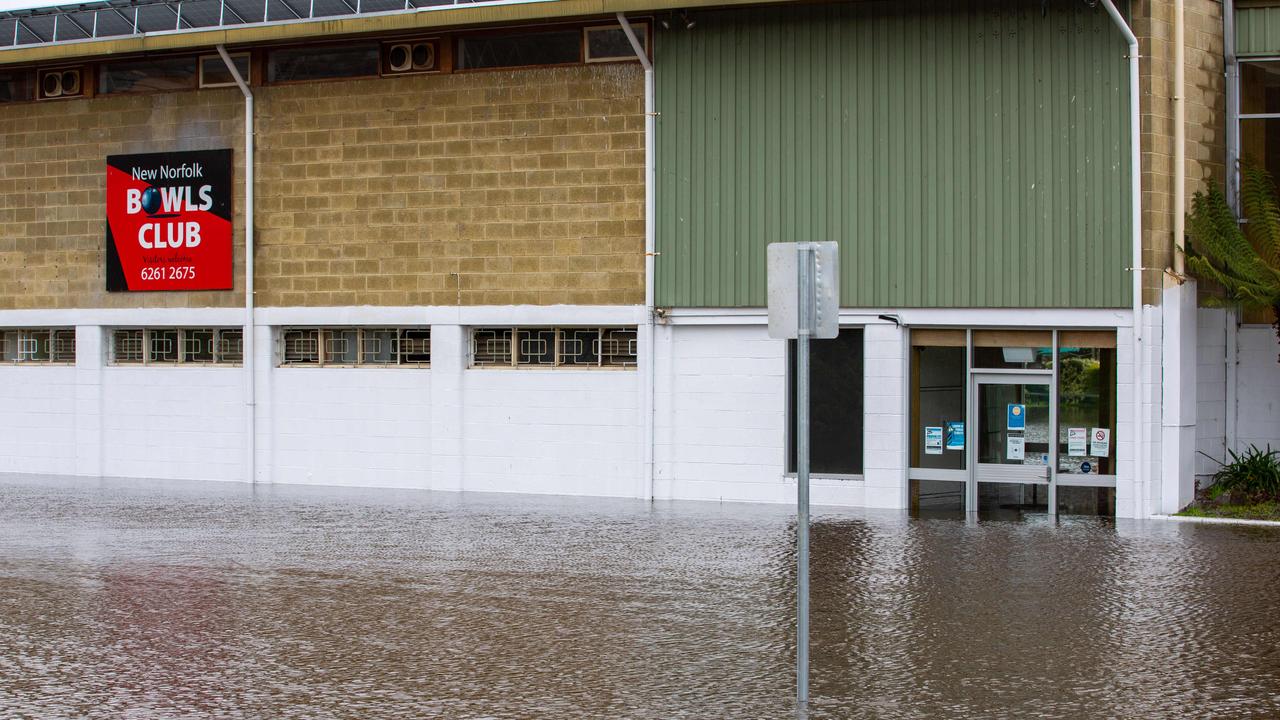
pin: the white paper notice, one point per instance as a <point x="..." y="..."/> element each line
<point x="1100" y="442"/>
<point x="1015" y="448"/>
<point x="933" y="440"/>
<point x="1076" y="439"/>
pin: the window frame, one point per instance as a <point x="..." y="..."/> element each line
<point x="52" y="356"/>
<point x="268" y="52"/>
<point x="324" y="333"/>
<point x="200" y="60"/>
<point x="457" y="54"/>
<point x="101" y="67"/>
<point x="515" y="356"/>
<point x="789" y="412"/>
<point x="148" y="337"/>
<point x="643" y="30"/>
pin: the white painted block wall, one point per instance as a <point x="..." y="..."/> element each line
<point x="721" y="418"/>
<point x="446" y="427"/>
<point x="184" y="423"/>
<point x="452" y="427"/>
<point x="1136" y="499"/>
<point x="38" y="432"/>
<point x="1258" y="421"/>
<point x="1211" y="391"/>
<point x="350" y="426"/>
<point x="885" y="417"/>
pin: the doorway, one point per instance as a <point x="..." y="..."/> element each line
<point x="1012" y="452"/>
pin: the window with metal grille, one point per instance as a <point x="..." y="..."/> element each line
<point x="176" y="346"/>
<point x="38" y="345"/>
<point x="355" y="347"/>
<point x="561" y="347"/>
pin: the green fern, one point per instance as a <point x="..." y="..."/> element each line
<point x="1245" y="264"/>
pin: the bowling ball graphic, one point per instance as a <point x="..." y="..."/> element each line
<point x="151" y="201"/>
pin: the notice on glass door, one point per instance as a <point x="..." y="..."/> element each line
<point x="1100" y="442"/>
<point x="1015" y="449"/>
<point x="1017" y="417"/>
<point x="955" y="434"/>
<point x="1076" y="438"/>
<point x="933" y="440"/>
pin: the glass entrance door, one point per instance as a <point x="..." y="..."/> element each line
<point x="1012" y="450"/>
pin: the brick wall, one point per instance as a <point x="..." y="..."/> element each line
<point x="52" y="174"/>
<point x="1205" y="115"/>
<point x="508" y="187"/>
<point x="503" y="187"/>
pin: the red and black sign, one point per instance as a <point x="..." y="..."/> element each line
<point x="169" y="221"/>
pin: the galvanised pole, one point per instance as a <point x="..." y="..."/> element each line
<point x="806" y="313"/>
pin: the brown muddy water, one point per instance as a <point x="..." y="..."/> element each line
<point x="188" y="600"/>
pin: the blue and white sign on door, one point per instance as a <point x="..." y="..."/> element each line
<point x="1017" y="417"/>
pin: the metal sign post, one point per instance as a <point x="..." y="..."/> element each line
<point x="804" y="298"/>
<point x="802" y="476"/>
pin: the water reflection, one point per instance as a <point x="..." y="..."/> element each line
<point x="193" y="600"/>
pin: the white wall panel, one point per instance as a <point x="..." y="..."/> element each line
<point x="1259" y="394"/>
<point x="173" y="422"/>
<point x="37" y="419"/>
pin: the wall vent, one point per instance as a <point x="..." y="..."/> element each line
<point x="410" y="56"/>
<point x="61" y="83"/>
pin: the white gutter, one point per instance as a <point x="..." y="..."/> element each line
<point x="250" y="401"/>
<point x="650" y="180"/>
<point x="1135" y="211"/>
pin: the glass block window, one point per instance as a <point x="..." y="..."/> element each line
<point x="574" y="347"/>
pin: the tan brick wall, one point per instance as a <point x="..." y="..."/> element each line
<point x="1205" y="120"/>
<point x="52" y="175"/>
<point x="494" y="188"/>
<point x="473" y="188"/>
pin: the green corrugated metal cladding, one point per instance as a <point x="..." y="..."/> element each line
<point x="964" y="154"/>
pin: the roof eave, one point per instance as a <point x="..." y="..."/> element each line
<point x="428" y="18"/>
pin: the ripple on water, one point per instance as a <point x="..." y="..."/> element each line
<point x="221" y="601"/>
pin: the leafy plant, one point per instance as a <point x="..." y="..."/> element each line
<point x="1245" y="264"/>
<point x="1078" y="380"/>
<point x="1251" y="477"/>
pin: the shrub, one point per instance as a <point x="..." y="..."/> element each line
<point x="1252" y="476"/>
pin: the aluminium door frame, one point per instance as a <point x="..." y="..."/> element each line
<point x="1015" y="377"/>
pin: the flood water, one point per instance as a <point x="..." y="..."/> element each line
<point x="186" y="600"/>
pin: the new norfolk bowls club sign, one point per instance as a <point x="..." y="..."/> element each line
<point x="169" y="221"/>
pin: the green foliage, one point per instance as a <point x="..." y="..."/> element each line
<point x="1251" y="477"/>
<point x="1078" y="380"/>
<point x="1245" y="264"/>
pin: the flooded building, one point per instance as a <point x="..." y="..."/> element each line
<point x="519" y="246"/>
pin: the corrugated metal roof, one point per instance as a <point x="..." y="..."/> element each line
<point x="119" y="18"/>
<point x="240" y="22"/>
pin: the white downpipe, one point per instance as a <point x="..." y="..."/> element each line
<point x="1233" y="181"/>
<point x="1179" y="142"/>
<point x="1232" y="361"/>
<point x="250" y="400"/>
<point x="1233" y="102"/>
<point x="1135" y="211"/>
<point x="650" y="180"/>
